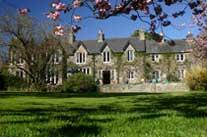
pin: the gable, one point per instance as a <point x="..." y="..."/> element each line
<point x="105" y="48"/>
<point x="81" y="48"/>
<point x="129" y="47"/>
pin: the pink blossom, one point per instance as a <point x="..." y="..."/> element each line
<point x="77" y="17"/>
<point x="53" y="15"/>
<point x="59" y="6"/>
<point x="23" y="11"/>
<point x="59" y="30"/>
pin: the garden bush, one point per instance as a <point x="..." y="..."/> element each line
<point x="11" y="81"/>
<point x="196" y="78"/>
<point x="79" y="82"/>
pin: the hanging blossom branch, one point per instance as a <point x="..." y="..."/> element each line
<point x="200" y="19"/>
<point x="152" y="11"/>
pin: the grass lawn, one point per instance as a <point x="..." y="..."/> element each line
<point x="103" y="115"/>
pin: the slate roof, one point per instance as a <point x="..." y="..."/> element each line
<point x="180" y="46"/>
<point x="120" y="44"/>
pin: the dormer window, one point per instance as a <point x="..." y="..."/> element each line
<point x="130" y="55"/>
<point x="106" y="56"/>
<point x="155" y="57"/>
<point x="180" y="57"/>
<point x="80" y="57"/>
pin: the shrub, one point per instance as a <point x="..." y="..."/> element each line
<point x="79" y="82"/>
<point x="196" y="78"/>
<point x="11" y="81"/>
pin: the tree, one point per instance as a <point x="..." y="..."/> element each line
<point x="31" y="46"/>
<point x="200" y="41"/>
<point x="151" y="12"/>
<point x="147" y="35"/>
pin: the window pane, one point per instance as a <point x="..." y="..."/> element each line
<point x="104" y="56"/>
<point x="108" y="58"/>
<point x="177" y="57"/>
<point x="153" y="58"/>
<point x="181" y="57"/>
<point x="81" y="57"/>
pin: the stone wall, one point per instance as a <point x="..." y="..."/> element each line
<point x="146" y="87"/>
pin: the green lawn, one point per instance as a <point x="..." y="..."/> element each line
<point x="103" y="115"/>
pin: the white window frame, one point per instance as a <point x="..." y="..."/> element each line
<point x="130" y="55"/>
<point x="131" y="75"/>
<point x="52" y="77"/>
<point x="56" y="58"/>
<point x="156" y="76"/>
<point x="155" y="57"/>
<point x="80" y="57"/>
<point x="86" y="70"/>
<point x="107" y="56"/>
<point x="180" y="57"/>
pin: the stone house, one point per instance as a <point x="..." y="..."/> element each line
<point x="124" y="60"/>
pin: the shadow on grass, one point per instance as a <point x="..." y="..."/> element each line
<point x="69" y="130"/>
<point x="78" y="120"/>
<point x="69" y="95"/>
<point x="76" y="125"/>
<point x="192" y="105"/>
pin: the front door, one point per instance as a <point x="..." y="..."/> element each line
<point x="106" y="77"/>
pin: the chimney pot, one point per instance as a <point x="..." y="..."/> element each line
<point x="101" y="36"/>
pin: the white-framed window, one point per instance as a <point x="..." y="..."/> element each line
<point x="181" y="74"/>
<point x="85" y="70"/>
<point x="131" y="75"/>
<point x="52" y="77"/>
<point x="180" y="57"/>
<point x="20" y="60"/>
<point x="155" y="57"/>
<point x="56" y="58"/>
<point x="20" y="73"/>
<point x="156" y="75"/>
<point x="80" y="57"/>
<point x="106" y="56"/>
<point x="130" y="55"/>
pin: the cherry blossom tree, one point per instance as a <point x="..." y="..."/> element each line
<point x="200" y="41"/>
<point x="151" y="12"/>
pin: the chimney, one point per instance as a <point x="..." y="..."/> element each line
<point x="141" y="34"/>
<point x="101" y="36"/>
<point x="163" y="40"/>
<point x="71" y="38"/>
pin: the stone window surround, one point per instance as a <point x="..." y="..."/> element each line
<point x="52" y="78"/>
<point x="155" y="57"/>
<point x="80" y="57"/>
<point x="180" y="57"/>
<point x="156" y="75"/>
<point x="86" y="70"/>
<point x="130" y="55"/>
<point x="106" y="54"/>
<point x="131" y="75"/>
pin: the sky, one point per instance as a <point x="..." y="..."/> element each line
<point x="119" y="26"/>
